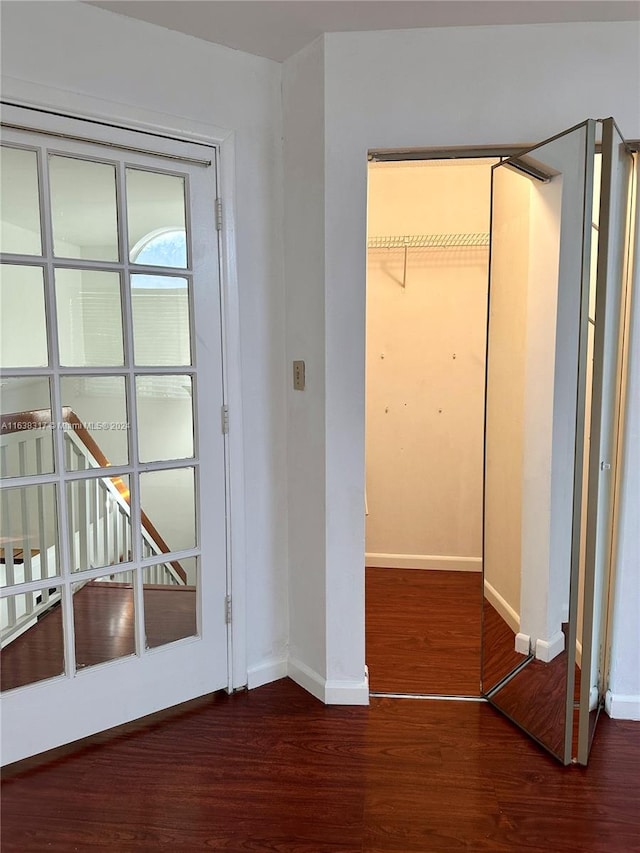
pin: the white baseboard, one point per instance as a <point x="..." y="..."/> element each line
<point x="347" y="692"/>
<point x="306" y="677"/>
<point x="547" y="650"/>
<point x="621" y="707"/>
<point x="522" y="644"/>
<point x="503" y="607"/>
<point x="423" y="561"/>
<point x="264" y="673"/>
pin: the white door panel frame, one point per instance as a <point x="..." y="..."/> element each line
<point x="60" y="107"/>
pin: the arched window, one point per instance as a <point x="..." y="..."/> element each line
<point x="164" y="247"/>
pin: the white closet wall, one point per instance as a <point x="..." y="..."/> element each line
<point x="425" y="366"/>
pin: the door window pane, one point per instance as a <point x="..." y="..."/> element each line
<point x="98" y="419"/>
<point x="156" y="218"/>
<point x="98" y="518"/>
<point x="83" y="209"/>
<point x="103" y="613"/>
<point x="160" y="306"/>
<point x="165" y="417"/>
<point x="170" y="602"/>
<point x="26" y="437"/>
<point x="89" y="318"/>
<point x="31" y="631"/>
<point x="23" y="329"/>
<point x="168" y="500"/>
<point x="29" y="534"/>
<point x="19" y="202"/>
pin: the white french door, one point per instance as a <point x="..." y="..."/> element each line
<point x="113" y="551"/>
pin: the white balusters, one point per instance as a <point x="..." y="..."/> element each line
<point x="42" y="522"/>
<point x="7" y="543"/>
<point x="93" y="498"/>
<point x="83" y="513"/>
<point x="26" y="528"/>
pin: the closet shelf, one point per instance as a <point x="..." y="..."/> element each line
<point x="428" y="241"/>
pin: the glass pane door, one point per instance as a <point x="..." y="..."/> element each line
<point x="112" y="497"/>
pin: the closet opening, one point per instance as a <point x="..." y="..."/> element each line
<point x="426" y="331"/>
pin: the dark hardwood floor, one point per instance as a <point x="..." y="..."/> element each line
<point x="275" y="771"/>
<point x="423" y="631"/>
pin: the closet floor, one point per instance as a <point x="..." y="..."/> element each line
<point x="423" y="631"/>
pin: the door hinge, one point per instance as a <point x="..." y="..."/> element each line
<point x="227" y="610"/>
<point x="218" y="214"/>
<point x="224" y="412"/>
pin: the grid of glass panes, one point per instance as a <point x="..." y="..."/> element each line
<point x="98" y="456"/>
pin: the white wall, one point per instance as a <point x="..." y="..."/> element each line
<point x="303" y="116"/>
<point x="425" y="367"/>
<point x="75" y="57"/>
<point x="468" y="86"/>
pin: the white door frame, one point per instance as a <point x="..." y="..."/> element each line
<point x="50" y="100"/>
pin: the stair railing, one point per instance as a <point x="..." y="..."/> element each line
<point x="99" y="519"/>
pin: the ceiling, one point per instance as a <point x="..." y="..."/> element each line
<point x="277" y="29"/>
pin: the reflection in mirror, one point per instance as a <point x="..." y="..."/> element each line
<point x="28" y="656"/>
<point x="608" y="306"/>
<point x="165" y="417"/>
<point x="19" y="202"/>
<point x="104" y="620"/>
<point x="83" y="209"/>
<point x="89" y="317"/>
<point x="170" y="601"/>
<point x="156" y="218"/>
<point x="29" y="534"/>
<point x="26" y="437"/>
<point x="175" y="518"/>
<point x="530" y="444"/>
<point x="160" y="308"/>
<point x="99" y="520"/>
<point x="96" y="410"/>
<point x="23" y="330"/>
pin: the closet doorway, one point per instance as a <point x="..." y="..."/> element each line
<point x="427" y="280"/>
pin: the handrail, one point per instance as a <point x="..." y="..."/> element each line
<point x="41" y="418"/>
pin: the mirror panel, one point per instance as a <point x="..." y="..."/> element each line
<point x="536" y="354"/>
<point x="608" y="304"/>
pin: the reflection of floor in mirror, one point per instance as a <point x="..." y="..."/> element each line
<point x="499" y="655"/>
<point x="423" y="631"/>
<point x="536" y="699"/>
<point x="38" y="653"/>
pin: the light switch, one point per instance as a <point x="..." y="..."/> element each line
<point x="298" y="375"/>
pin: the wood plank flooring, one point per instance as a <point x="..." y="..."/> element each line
<point x="275" y="771"/>
<point x="423" y="631"/>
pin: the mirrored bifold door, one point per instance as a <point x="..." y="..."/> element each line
<point x="560" y="226"/>
<point x="111" y="448"/>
